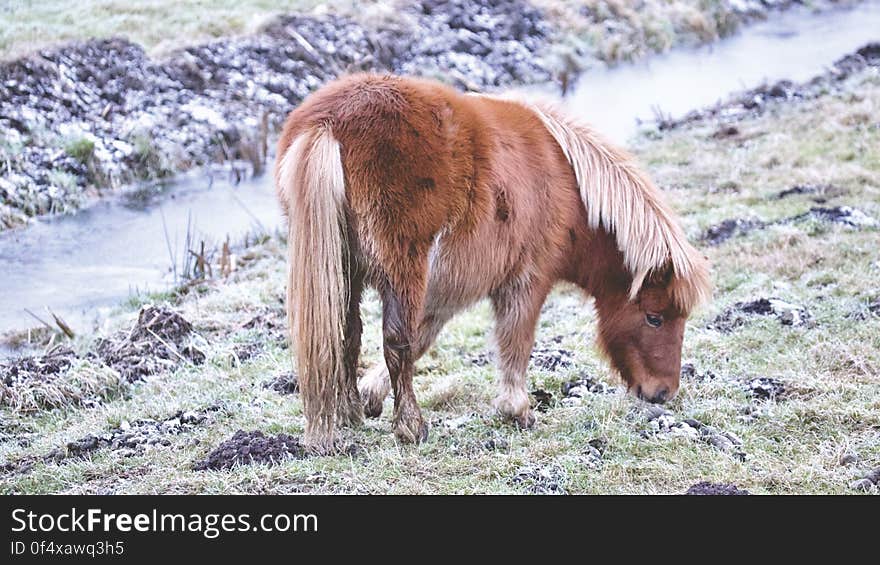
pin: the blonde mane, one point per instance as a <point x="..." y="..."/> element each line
<point x="622" y="199"/>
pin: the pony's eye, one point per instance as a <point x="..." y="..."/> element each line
<point x="654" y="320"/>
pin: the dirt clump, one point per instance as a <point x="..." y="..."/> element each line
<point x="574" y="391"/>
<point x="495" y="443"/>
<point x="243" y="352"/>
<point x="537" y="479"/>
<point x="245" y="448"/>
<point x="159" y="341"/>
<point x="132" y="438"/>
<point x="551" y="358"/>
<point x="765" y="388"/>
<point x="689" y="371"/>
<point x="285" y="383"/>
<point x="719" y="233"/>
<point x="543" y="400"/>
<point x="664" y="422"/>
<point x="821" y="192"/>
<point x="868" y="482"/>
<point x="716" y="489"/>
<point x="57" y="360"/>
<point x="786" y="313"/>
<point x="844" y="215"/>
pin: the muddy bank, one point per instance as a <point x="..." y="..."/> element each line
<point x="754" y="102"/>
<point x="102" y="113"/>
<point x="95" y="115"/>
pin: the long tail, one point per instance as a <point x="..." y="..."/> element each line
<point x="311" y="180"/>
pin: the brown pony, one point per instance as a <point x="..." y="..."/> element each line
<point x="439" y="199"/>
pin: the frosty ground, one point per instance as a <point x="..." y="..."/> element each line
<point x="780" y="394"/>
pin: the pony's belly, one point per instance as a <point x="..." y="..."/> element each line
<point x="460" y="273"/>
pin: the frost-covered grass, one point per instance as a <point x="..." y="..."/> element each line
<point x="156" y="24"/>
<point x="610" y="29"/>
<point x="820" y="436"/>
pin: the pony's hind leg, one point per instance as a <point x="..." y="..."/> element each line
<point x="374" y="387"/>
<point x="516" y="312"/>
<point x="376" y="383"/>
<point x="349" y="410"/>
<point x="402" y="298"/>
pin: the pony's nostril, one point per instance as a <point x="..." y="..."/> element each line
<point x="639" y="392"/>
<point x="661" y="396"/>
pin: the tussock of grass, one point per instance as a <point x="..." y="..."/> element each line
<point x="83" y="384"/>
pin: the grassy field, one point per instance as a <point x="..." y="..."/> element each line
<point x="820" y="432"/>
<point x="156" y="24"/>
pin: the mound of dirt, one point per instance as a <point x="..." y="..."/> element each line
<point x="15" y="372"/>
<point x="552" y="358"/>
<point x="765" y="388"/>
<point x="158" y="341"/>
<point x="689" y="371"/>
<point x="844" y="215"/>
<point x="582" y="387"/>
<point x="285" y="383"/>
<point x="719" y="233"/>
<point x="131" y="438"/>
<point x="868" y="482"/>
<point x="543" y="399"/>
<point x="246" y="351"/>
<point x="664" y="422"/>
<point x="716" y="489"/>
<point x="737" y="315"/>
<point x="245" y="448"/>
<point x="536" y="479"/>
<point x="821" y="192"/>
<point x="57" y="379"/>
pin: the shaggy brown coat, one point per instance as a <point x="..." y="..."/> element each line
<point x="439" y="199"/>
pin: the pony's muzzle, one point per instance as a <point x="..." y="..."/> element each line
<point x="658" y="395"/>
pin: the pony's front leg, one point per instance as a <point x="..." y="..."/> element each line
<point x="516" y="312"/>
<point x="401" y="304"/>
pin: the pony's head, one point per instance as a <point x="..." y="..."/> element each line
<point x="642" y="334"/>
<point x="644" y="274"/>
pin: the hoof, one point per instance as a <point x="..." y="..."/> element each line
<point x="513" y="405"/>
<point x="373" y="389"/>
<point x="323" y="444"/>
<point x="525" y="421"/>
<point x="372" y="406"/>
<point x="414" y="433"/>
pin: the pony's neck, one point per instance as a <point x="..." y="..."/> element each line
<point x="598" y="266"/>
